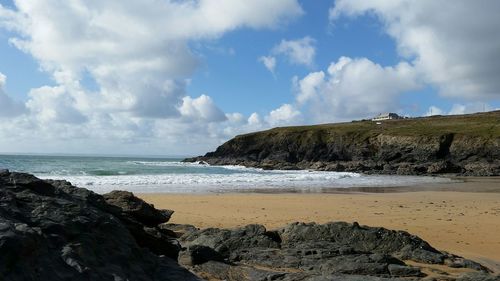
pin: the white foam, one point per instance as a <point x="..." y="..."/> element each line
<point x="253" y="179"/>
<point x="168" y="164"/>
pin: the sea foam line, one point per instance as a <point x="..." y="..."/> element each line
<point x="186" y="183"/>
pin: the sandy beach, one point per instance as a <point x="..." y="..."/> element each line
<point x="462" y="218"/>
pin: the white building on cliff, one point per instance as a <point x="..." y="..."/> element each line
<point x="386" y="116"/>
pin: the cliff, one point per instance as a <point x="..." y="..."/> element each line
<point x="461" y="144"/>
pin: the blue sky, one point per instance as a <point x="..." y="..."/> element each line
<point x="239" y="81"/>
<point x="181" y="77"/>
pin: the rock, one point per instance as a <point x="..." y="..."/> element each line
<point x="363" y="239"/>
<point x="178" y="230"/>
<point x="459" y="262"/>
<point x="443" y="167"/>
<point x="482" y="169"/>
<point x="143" y="212"/>
<point x="329" y="251"/>
<point x="221" y="271"/>
<point x="388" y="169"/>
<point x="336" y="167"/>
<point x="198" y="254"/>
<point x="405" y="169"/>
<point x="50" y="230"/>
<point x="227" y="242"/>
<point x="402" y="270"/>
<point x="477" y="276"/>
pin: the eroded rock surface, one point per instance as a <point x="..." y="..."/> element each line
<point x="50" y="230"/>
<point x="299" y="251"/>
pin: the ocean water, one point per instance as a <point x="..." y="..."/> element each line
<point x="169" y="175"/>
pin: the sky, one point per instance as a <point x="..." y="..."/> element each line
<point x="172" y="77"/>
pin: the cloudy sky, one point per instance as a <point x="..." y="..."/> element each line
<point x="173" y="77"/>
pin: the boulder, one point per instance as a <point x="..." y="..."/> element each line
<point x="310" y="251"/>
<point x="50" y="230"/>
<point x="198" y="254"/>
<point x="143" y="212"/>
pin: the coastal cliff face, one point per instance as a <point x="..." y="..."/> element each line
<point x="464" y="144"/>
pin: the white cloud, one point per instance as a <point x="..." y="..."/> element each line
<point x="53" y="104"/>
<point x="434" y="110"/>
<point x="286" y="114"/>
<point x="138" y="54"/>
<point x="301" y="51"/>
<point x="254" y="119"/>
<point x="467" y="108"/>
<point x="458" y="108"/>
<point x="8" y="107"/>
<point x="455" y="50"/>
<point x="129" y="47"/>
<point x="235" y="118"/>
<point x="354" y="88"/>
<point x="201" y="108"/>
<point x="309" y="86"/>
<point x="269" y="62"/>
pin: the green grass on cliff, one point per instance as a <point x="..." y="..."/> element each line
<point x="485" y="125"/>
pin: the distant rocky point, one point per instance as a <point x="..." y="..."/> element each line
<point x="51" y="230"/>
<point x="466" y="145"/>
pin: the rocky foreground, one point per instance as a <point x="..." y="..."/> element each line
<point x="466" y="145"/>
<point x="51" y="230"/>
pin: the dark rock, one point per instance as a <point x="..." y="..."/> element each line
<point x="50" y="230"/>
<point x="312" y="251"/>
<point x="406" y="169"/>
<point x="402" y="270"/>
<point x="178" y="230"/>
<point x="143" y="212"/>
<point x="459" y="262"/>
<point x="477" y="276"/>
<point x="198" y="254"/>
<point x="227" y="242"/>
<point x="363" y="239"/>
<point x="482" y="169"/>
<point x="443" y="167"/>
<point x="221" y="271"/>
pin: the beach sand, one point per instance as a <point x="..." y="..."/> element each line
<point x="461" y="218"/>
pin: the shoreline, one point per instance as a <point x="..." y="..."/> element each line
<point x="461" y="217"/>
<point x="457" y="184"/>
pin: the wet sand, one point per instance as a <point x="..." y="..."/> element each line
<point x="461" y="218"/>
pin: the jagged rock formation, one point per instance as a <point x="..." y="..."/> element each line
<point x="464" y="144"/>
<point x="51" y="230"/>
<point x="333" y="251"/>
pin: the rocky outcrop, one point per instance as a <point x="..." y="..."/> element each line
<point x="466" y="145"/>
<point x="51" y="230"/>
<point x="299" y="251"/>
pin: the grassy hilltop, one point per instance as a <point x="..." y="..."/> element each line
<point x="478" y="125"/>
<point x="463" y="144"/>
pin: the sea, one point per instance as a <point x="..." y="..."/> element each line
<point x="170" y="175"/>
